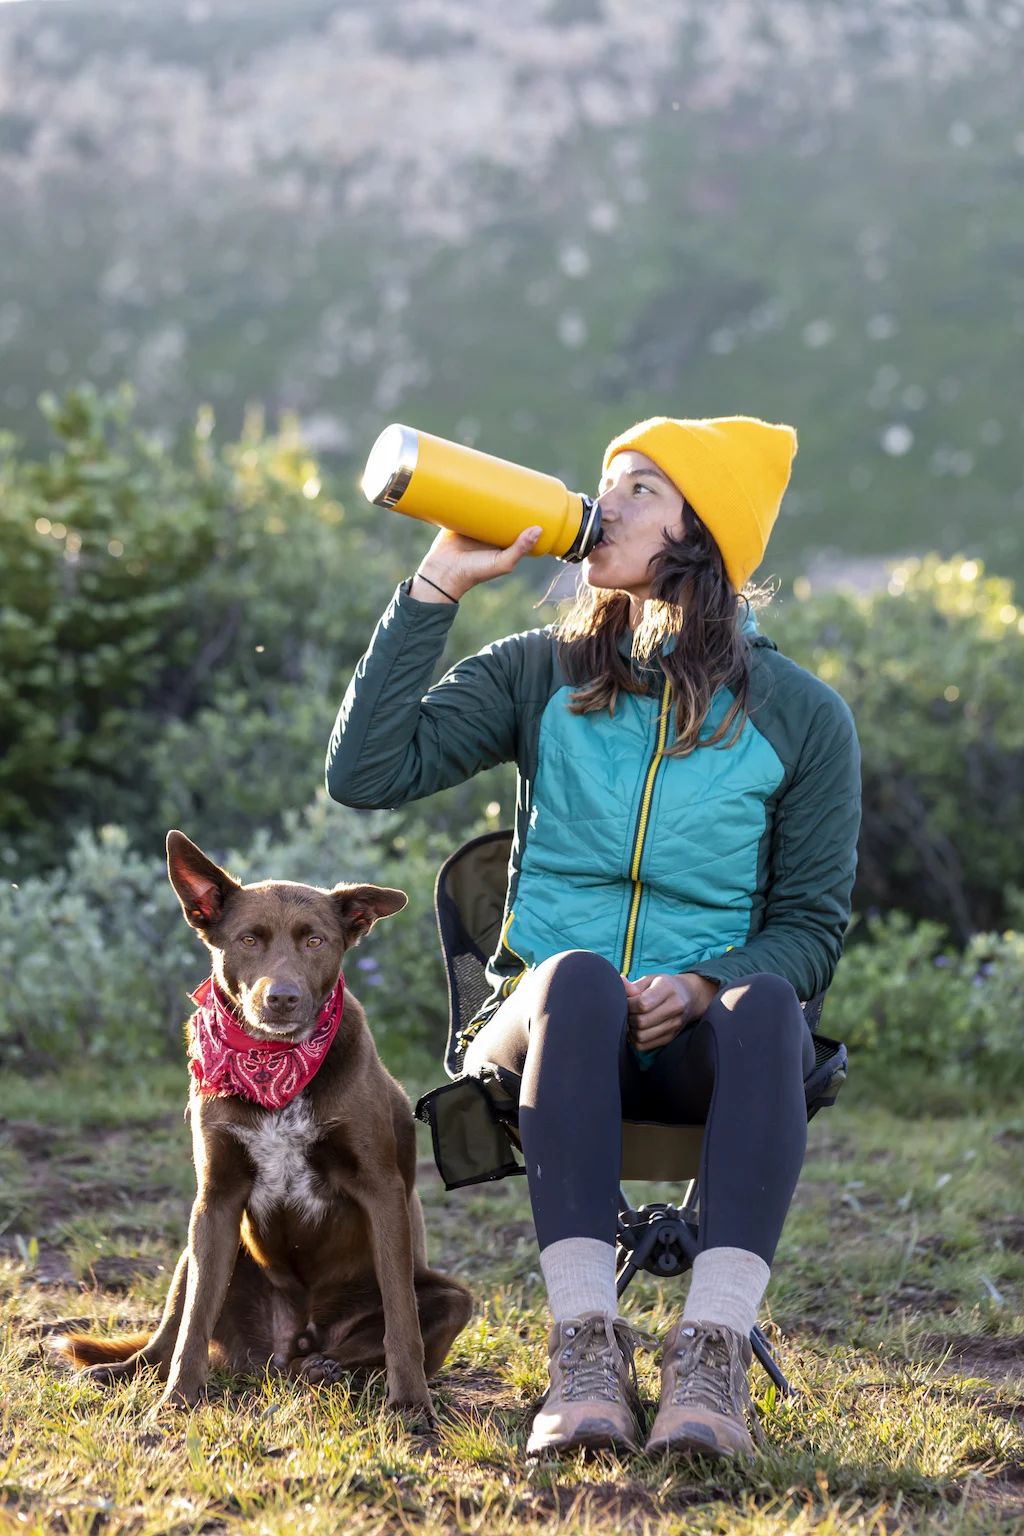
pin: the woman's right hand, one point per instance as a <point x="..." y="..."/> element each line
<point x="457" y="563"/>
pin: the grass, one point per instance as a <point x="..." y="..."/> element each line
<point x="896" y="1311"/>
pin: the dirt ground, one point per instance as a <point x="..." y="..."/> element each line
<point x="896" y="1308"/>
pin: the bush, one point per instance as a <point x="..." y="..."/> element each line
<point x="97" y="961"/>
<point x="933" y="670"/>
<point x="168" y="622"/>
<point x="903" y="1000"/>
<point x="176" y="629"/>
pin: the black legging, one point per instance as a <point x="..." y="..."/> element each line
<point x="740" y="1070"/>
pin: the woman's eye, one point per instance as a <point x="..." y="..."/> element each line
<point x="248" y="940"/>
<point x="314" y="941"/>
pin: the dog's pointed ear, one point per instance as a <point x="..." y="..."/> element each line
<point x="200" y="885"/>
<point x="359" y="906"/>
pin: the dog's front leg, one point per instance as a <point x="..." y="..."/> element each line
<point x="392" y="1236"/>
<point x="160" y="1348"/>
<point x="213" y="1238"/>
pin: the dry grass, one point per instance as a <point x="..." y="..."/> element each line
<point x="896" y="1308"/>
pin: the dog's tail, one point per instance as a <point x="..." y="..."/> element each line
<point x="82" y="1349"/>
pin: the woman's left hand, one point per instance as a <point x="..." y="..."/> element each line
<point x="659" y="1006"/>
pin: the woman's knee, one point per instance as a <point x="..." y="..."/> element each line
<point x="580" y="987"/>
<point x="577" y="968"/>
<point x="762" y="990"/>
<point x="768" y="1003"/>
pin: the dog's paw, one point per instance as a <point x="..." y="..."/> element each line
<point x="416" y="1411"/>
<point x="113" y="1370"/>
<point x="317" y="1370"/>
<point x="175" y="1397"/>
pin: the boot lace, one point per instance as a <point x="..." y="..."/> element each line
<point x="711" y="1372"/>
<point x="592" y="1360"/>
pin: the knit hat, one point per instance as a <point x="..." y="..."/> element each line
<point x="732" y="470"/>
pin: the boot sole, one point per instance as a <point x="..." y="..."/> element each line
<point x="584" y="1440"/>
<point x="693" y="1444"/>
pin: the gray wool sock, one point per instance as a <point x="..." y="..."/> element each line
<point x="579" y="1273"/>
<point x="727" y="1287"/>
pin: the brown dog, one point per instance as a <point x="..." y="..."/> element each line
<point x="306" y="1250"/>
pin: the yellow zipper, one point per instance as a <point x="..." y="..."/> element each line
<point x="510" y="983"/>
<point x="641" y="829"/>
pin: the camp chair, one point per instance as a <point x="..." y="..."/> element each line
<point x="474" y="1121"/>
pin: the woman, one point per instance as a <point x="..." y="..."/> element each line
<point x="685" y="847"/>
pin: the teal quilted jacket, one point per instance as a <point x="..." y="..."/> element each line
<point x="727" y="862"/>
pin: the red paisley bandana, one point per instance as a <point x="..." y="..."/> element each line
<point x="226" y="1062"/>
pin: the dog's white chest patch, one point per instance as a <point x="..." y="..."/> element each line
<point x="279" y="1148"/>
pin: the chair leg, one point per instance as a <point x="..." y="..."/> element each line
<point x="762" y="1352"/>
<point x="624" y="1276"/>
<point x="623" y="1244"/>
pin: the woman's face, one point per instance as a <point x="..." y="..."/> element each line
<point x="639" y="505"/>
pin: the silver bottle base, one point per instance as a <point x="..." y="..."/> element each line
<point x="589" y="535"/>
<point x="390" y="466"/>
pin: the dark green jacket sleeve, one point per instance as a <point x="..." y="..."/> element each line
<point x="396" y="738"/>
<point x="812" y="863"/>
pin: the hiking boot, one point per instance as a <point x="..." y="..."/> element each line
<point x="593" y="1398"/>
<point x="704" y="1393"/>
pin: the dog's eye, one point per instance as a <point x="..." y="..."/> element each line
<point x="314" y="941"/>
<point x="248" y="940"/>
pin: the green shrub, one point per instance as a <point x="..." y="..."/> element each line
<point x="903" y="1000"/>
<point x="177" y="628"/>
<point x="168" y="622"/>
<point x="97" y="961"/>
<point x="933" y="670"/>
<point x="900" y="994"/>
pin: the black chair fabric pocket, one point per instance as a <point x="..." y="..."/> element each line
<point x="470" y="1143"/>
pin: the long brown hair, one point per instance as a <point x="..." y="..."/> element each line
<point x="694" y="606"/>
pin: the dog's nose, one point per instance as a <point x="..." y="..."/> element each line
<point x="282" y="997"/>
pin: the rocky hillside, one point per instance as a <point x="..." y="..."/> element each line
<point x="527" y="225"/>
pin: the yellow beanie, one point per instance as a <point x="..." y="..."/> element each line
<point x="732" y="470"/>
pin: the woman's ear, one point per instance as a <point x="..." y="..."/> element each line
<point x="359" y="906"/>
<point x="202" y="887"/>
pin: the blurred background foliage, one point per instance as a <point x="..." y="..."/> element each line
<point x="177" y="628"/>
<point x="522" y="236"/>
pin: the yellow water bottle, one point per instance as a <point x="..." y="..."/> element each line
<point x="489" y="499"/>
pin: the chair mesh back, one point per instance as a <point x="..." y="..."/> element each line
<point x="812" y="1013"/>
<point x="471" y="986"/>
<point x="469" y="900"/>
